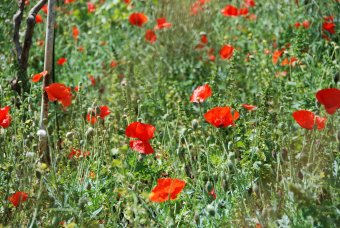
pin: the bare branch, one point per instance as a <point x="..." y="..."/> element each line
<point x="29" y="32"/>
<point x="17" y="18"/>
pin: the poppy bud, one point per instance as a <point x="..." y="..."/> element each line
<point x="123" y="83"/>
<point x="230" y="164"/>
<point x="231" y="156"/>
<point x="197" y="217"/>
<point x="30" y="137"/>
<point x="41" y="133"/>
<point x="255" y="188"/>
<point x="69" y="135"/>
<point x="300" y="175"/>
<point x="181" y="154"/>
<point x="284" y="154"/>
<point x="211" y="210"/>
<point x="194" y="124"/>
<point x="82" y="202"/>
<point x="336" y="77"/>
<point x="339" y="135"/>
<point x="209" y="187"/>
<point x="30" y="154"/>
<point x="89" y="132"/>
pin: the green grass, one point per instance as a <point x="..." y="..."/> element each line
<point x="265" y="170"/>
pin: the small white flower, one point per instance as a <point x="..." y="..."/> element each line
<point x="41" y="133"/>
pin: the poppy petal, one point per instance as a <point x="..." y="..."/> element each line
<point x="142" y="147"/>
<point x="166" y="189"/>
<point x="304" y="118"/>
<point x="141" y="131"/>
<point x="330" y="98"/>
<point x="201" y="93"/>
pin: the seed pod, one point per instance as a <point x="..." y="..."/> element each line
<point x="209" y="186"/>
<point x="336" y="77"/>
<point x="82" y="202"/>
<point x="194" y="124"/>
<point x="211" y="210"/>
<point x="89" y="132"/>
<point x="69" y="135"/>
<point x="284" y="154"/>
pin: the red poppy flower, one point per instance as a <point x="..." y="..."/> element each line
<point x="211" y="54"/>
<point x="306" y="119"/>
<point x="330" y="99"/>
<point x="138" y="19"/>
<point x="38" y="19"/>
<point x="320" y="122"/>
<point x="40" y="43"/>
<point x="306" y="24"/>
<point x="127" y="2"/>
<point x="297" y="24"/>
<point x="162" y="23"/>
<point x="204" y="39"/>
<point x="221" y="116"/>
<point x="91" y="8"/>
<point x="141" y="131"/>
<point x="277" y="54"/>
<point x="226" y="52"/>
<point x="142" y="147"/>
<point x="199" y="46"/>
<point x="93" y="80"/>
<point x="113" y="63"/>
<point x="75" y="32"/>
<point x="201" y="93"/>
<point x="78" y="153"/>
<point x="150" y="36"/>
<point x="167" y="188"/>
<point x="249" y="107"/>
<point x="17" y="198"/>
<point x="243" y="11"/>
<point x="281" y="74"/>
<point x="328" y="18"/>
<point x="249" y="3"/>
<point x="212" y="193"/>
<point x="103" y="112"/>
<point x="61" y="61"/>
<point x="289" y="62"/>
<point x="59" y="92"/>
<point x="45" y="8"/>
<point x="5" y="118"/>
<point x="68" y="1"/>
<point x="197" y="6"/>
<point x="37" y="77"/>
<point x="229" y="11"/>
<point x="328" y="26"/>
